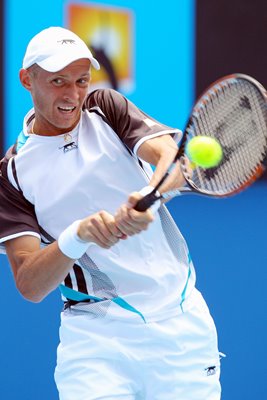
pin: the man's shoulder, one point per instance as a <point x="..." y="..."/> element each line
<point x="103" y="98"/>
<point x="10" y="153"/>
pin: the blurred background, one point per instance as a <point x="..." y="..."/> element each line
<point x="161" y="55"/>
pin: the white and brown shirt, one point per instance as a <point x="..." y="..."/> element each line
<point x="48" y="182"/>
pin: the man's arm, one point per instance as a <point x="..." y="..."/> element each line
<point x="160" y="152"/>
<point x="36" y="271"/>
<point x="39" y="271"/>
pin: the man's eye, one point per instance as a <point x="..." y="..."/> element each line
<point x="83" y="81"/>
<point x="57" y="81"/>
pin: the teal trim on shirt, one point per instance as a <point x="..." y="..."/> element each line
<point x="75" y="295"/>
<point x="78" y="296"/>
<point x="21" y="140"/>
<point x="186" y="284"/>
<point x="122" y="303"/>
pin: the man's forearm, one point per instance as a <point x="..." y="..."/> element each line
<point x="41" y="271"/>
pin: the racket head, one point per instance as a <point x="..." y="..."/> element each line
<point x="232" y="110"/>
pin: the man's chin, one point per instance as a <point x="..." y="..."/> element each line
<point x="67" y="126"/>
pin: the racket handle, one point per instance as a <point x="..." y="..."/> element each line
<point x="146" y="202"/>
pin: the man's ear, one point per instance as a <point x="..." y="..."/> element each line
<point x="25" y="79"/>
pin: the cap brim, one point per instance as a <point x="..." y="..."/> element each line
<point x="57" y="62"/>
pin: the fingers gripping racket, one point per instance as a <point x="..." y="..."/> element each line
<point x="234" y="112"/>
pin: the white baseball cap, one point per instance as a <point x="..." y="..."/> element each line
<point x="54" y="48"/>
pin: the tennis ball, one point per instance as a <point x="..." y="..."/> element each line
<point x="204" y="151"/>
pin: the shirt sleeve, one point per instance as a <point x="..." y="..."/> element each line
<point x="131" y="124"/>
<point x="17" y="215"/>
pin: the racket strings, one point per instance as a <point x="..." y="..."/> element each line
<point x="235" y="114"/>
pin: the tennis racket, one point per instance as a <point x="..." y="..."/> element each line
<point x="233" y="110"/>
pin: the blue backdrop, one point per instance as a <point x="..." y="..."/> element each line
<point x="226" y="237"/>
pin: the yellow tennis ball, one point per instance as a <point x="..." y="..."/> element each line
<point x="204" y="151"/>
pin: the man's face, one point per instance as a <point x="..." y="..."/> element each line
<point x="58" y="96"/>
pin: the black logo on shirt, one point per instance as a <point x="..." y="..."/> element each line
<point x="69" y="146"/>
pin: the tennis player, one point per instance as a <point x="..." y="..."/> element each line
<point x="133" y="326"/>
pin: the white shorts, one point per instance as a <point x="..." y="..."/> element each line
<point x="174" y="359"/>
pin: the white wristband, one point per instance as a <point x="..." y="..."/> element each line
<point x="146" y="190"/>
<point x="70" y="244"/>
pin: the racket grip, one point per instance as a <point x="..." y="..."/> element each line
<point x="146" y="202"/>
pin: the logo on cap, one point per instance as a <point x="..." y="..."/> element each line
<point x="66" y="41"/>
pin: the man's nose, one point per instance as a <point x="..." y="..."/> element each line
<point x="71" y="93"/>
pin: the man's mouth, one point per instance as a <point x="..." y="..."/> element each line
<point x="67" y="110"/>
